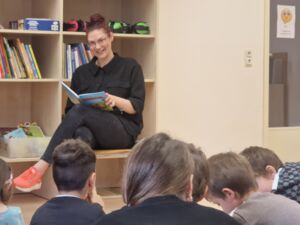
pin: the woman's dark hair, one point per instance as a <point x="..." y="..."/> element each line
<point x="5" y="187"/>
<point x="97" y="21"/>
<point x="157" y="166"/>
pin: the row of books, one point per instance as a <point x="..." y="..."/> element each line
<point x="17" y="60"/>
<point x="75" y="55"/>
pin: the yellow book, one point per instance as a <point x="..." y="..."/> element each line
<point x="25" y="59"/>
<point x="35" y="62"/>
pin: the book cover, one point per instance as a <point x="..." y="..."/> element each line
<point x="19" y="62"/>
<point x="17" y="133"/>
<point x="21" y="49"/>
<point x="35" y="62"/>
<point x="40" y="24"/>
<point x="95" y="99"/>
<point x="4" y="58"/>
<point x="35" y="73"/>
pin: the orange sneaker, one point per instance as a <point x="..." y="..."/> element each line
<point x="29" y="180"/>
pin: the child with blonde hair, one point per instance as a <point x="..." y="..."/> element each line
<point x="8" y="215"/>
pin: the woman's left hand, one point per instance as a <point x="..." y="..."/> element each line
<point x="110" y="100"/>
<point x="121" y="103"/>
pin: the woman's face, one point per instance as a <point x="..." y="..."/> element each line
<point x="100" y="44"/>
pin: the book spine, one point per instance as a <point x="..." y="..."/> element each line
<point x="73" y="60"/>
<point x="19" y="62"/>
<point x="65" y="64"/>
<point x="35" y="75"/>
<point x="26" y="60"/>
<point x="69" y="58"/>
<point x="82" y="53"/>
<point x="13" y="69"/>
<point x="15" y="63"/>
<point x="77" y="57"/>
<point x="35" y="62"/>
<point x="5" y="59"/>
<point x="17" y="44"/>
<point x="88" y="52"/>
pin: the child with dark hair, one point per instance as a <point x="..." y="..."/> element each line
<point x="78" y="203"/>
<point x="8" y="215"/>
<point x="273" y="175"/>
<point x="232" y="185"/>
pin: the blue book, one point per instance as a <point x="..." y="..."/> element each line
<point x="95" y="99"/>
<point x="17" y="133"/>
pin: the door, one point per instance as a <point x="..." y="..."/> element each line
<point x="282" y="78"/>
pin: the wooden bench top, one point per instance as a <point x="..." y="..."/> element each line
<point x="100" y="154"/>
<point x="112" y="154"/>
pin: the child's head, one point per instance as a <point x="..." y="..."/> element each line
<point x="158" y="166"/>
<point x="74" y="164"/>
<point x="6" y="181"/>
<point x="201" y="173"/>
<point x="265" y="163"/>
<point x="231" y="180"/>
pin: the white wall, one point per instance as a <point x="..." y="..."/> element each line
<point x="205" y="94"/>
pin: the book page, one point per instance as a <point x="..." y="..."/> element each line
<point x="72" y="95"/>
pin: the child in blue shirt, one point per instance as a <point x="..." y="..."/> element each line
<point x="8" y="215"/>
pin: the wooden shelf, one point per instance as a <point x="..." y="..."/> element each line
<point x="147" y="81"/>
<point x="100" y="154"/>
<point x="116" y="35"/>
<point x="28" y="32"/>
<point x="44" y="80"/>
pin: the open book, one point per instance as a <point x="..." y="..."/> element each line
<point x="95" y="99"/>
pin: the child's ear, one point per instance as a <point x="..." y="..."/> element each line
<point x="92" y="180"/>
<point x="189" y="189"/>
<point x="229" y="194"/>
<point x="270" y="171"/>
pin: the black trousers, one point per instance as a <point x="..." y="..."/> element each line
<point x="101" y="129"/>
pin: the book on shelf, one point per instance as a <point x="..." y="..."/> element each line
<point x="4" y="58"/>
<point x="95" y="99"/>
<point x="17" y="60"/>
<point x="76" y="54"/>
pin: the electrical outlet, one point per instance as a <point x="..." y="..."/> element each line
<point x="248" y="58"/>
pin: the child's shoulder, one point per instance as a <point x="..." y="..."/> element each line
<point x="13" y="210"/>
<point x="12" y="216"/>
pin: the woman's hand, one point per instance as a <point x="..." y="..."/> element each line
<point x="110" y="100"/>
<point x="122" y="103"/>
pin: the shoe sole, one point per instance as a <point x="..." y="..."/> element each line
<point x="34" y="187"/>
